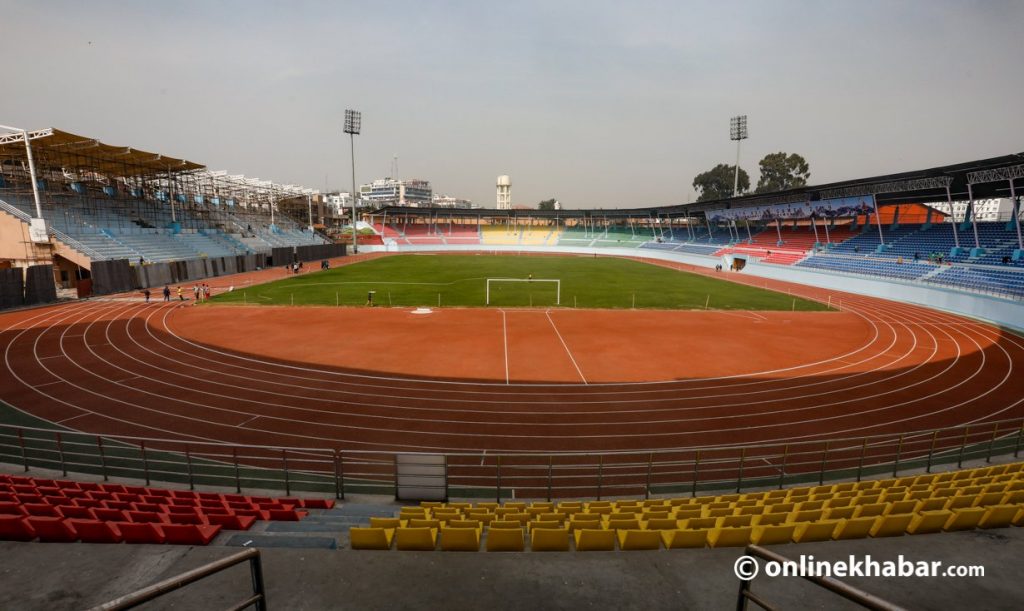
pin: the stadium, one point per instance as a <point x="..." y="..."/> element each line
<point x="699" y="370"/>
<point x="220" y="391"/>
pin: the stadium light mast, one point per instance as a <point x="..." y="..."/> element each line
<point x="737" y="132"/>
<point x="353" y="125"/>
<point x="31" y="167"/>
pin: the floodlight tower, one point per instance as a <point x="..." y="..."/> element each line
<point x="353" y="125"/>
<point x="737" y="132"/>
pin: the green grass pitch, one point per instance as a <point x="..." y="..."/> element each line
<point x="460" y="280"/>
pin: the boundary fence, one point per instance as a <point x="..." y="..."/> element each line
<point x="339" y="471"/>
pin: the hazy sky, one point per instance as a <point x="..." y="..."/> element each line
<point x="598" y="104"/>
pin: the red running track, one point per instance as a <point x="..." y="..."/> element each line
<point x="359" y="379"/>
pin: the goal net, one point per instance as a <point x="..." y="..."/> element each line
<point x="495" y="285"/>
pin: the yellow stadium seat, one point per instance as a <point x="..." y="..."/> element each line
<point x="545" y="524"/>
<point x="798" y="499"/>
<point x="626" y="503"/>
<point x="446" y="515"/>
<point x="650" y="503"/>
<point x="854" y="528"/>
<point x="415" y="539"/>
<point x="431" y="504"/>
<point x="552" y="516"/>
<point x="585" y="520"/>
<point x="965" y="519"/>
<point x="688" y="512"/>
<point x="900" y="507"/>
<point x="423" y="523"/>
<point x="501" y="512"/>
<point x="680" y="502"/>
<point x="961" y="502"/>
<point x="505" y="539"/>
<point x="464" y="524"/>
<point x="621" y="515"/>
<point x="727" y="498"/>
<point x="780" y="508"/>
<point x="484" y="517"/>
<point x="999" y="516"/>
<point x="844" y="487"/>
<point x="809" y="505"/>
<point x="696" y="523"/>
<point x="622" y="524"/>
<point x="385" y="522"/>
<point x="717" y="512"/>
<point x="893" y="494"/>
<point x="549" y="540"/>
<point x="840" y="513"/>
<point x="519" y="505"/>
<point x="799" y="492"/>
<point x="917" y="495"/>
<point x="811" y="515"/>
<point x="547" y="505"/>
<point x="750" y="510"/>
<point x="522" y="518"/>
<point x="839" y="502"/>
<point x="594" y="540"/>
<point x="656" y="515"/>
<point x="815" y="531"/>
<point x="775" y="495"/>
<point x="661" y="524"/>
<point x="533" y="512"/>
<point x="772" y="535"/>
<point x="601" y="510"/>
<point x="891" y="525"/>
<point x="487" y="506"/>
<point x="590" y="504"/>
<point x="930" y="505"/>
<point x="1013" y="497"/>
<point x="988" y="499"/>
<point x="869" y="510"/>
<point x="926" y="522"/>
<point x="460" y="539"/>
<point x="770" y="519"/>
<point x="505" y="524"/>
<point x="684" y="539"/>
<point x="638" y="539"/>
<point x="460" y="506"/>
<point x="925" y="478"/>
<point x="370" y="538"/>
<point x="730" y="536"/>
<point x="734" y="521"/>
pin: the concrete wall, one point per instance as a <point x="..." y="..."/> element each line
<point x="1003" y="312"/>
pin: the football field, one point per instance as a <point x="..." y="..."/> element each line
<point x="516" y="281"/>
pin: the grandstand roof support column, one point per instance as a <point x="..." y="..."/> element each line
<point x="778" y="231"/>
<point x="814" y="225"/>
<point x="31" y="168"/>
<point x="750" y="238"/>
<point x="952" y="215"/>
<point x="974" y="215"/>
<point x="1016" y="217"/>
<point x="309" y="204"/>
<point x="878" y="219"/>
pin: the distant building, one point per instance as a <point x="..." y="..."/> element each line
<point x="390" y="192"/>
<point x="447" y="201"/>
<point x="338" y="202"/>
<point x="558" y="205"/>
<point x="504" y="193"/>
<point x="995" y="209"/>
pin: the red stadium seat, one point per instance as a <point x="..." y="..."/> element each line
<point x="12" y="509"/>
<point x="283" y="515"/>
<point x="231" y="522"/>
<point x="15" y="528"/>
<point x="110" y="515"/>
<point x="24" y="489"/>
<point x="136" y="489"/>
<point x="74" y="493"/>
<point x="53" y="530"/>
<point x="158" y="492"/>
<point x="79" y="513"/>
<point x="185" y="518"/>
<point x="144" y="532"/>
<point x="147" y="517"/>
<point x="182" y="510"/>
<point x="88" y="486"/>
<point x="41" y="509"/>
<point x="29" y="498"/>
<point x="128" y="497"/>
<point x="8" y="497"/>
<point x="95" y="531"/>
<point x="113" y="488"/>
<point x="148" y="507"/>
<point x="189" y="534"/>
<point x="101" y="495"/>
<point x="122" y="505"/>
<point x="44" y="483"/>
<point x="92" y="503"/>
<point x="210" y="496"/>
<point x="155" y="500"/>
<point x="184" y="494"/>
<point x="68" y="485"/>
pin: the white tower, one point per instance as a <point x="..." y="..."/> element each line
<point x="504" y="193"/>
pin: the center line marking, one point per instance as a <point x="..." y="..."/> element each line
<point x="567" y="351"/>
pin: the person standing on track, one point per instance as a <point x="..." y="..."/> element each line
<point x="206" y="292"/>
<point x="167" y="293"/>
<point x="181" y="294"/>
<point x="146" y="293"/>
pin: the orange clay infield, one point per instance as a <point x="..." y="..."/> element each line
<point x="599" y="346"/>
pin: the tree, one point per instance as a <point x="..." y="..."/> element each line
<point x="717" y="182"/>
<point x="548" y="204"/>
<point x="780" y="171"/>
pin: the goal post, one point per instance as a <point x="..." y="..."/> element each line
<point x="558" y="286"/>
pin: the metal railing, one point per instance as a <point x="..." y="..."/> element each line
<point x="862" y="598"/>
<point x="681" y="471"/>
<point x="258" y="599"/>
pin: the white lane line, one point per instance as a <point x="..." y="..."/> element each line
<point x="69" y="419"/>
<point x="504" y="334"/>
<point x="49" y="383"/>
<point x="246" y="422"/>
<point x="564" y="345"/>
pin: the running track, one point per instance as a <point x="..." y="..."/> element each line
<point x="125" y="367"/>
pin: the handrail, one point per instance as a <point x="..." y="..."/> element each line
<point x="250" y="555"/>
<point x="14" y="211"/>
<point x="851" y="593"/>
<point x="613" y="473"/>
